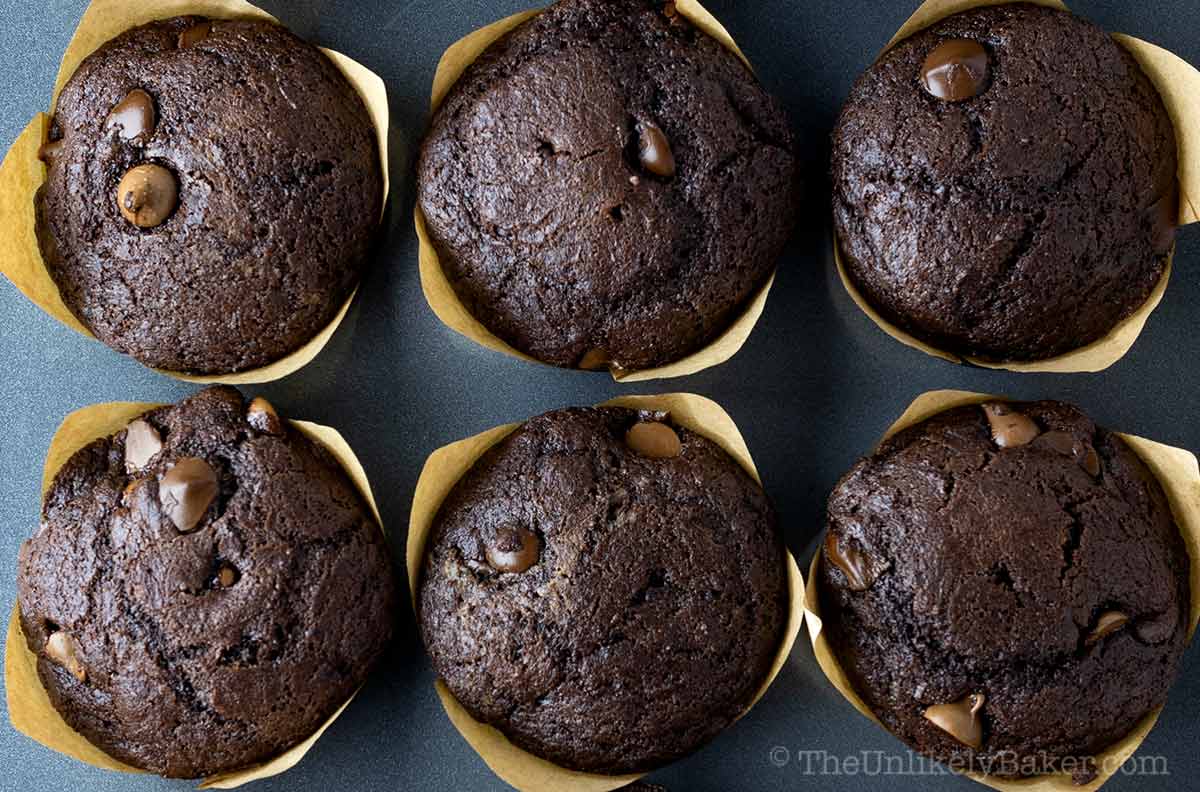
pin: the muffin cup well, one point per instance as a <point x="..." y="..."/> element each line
<point x="440" y="294"/>
<point x="1178" y="82"/>
<point x="1179" y="475"/>
<point x="29" y="707"/>
<point x="22" y="173"/>
<point x="442" y="471"/>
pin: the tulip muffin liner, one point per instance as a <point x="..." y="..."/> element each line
<point x="440" y="294"/>
<point x="29" y="706"/>
<point x="1179" y="475"/>
<point x="22" y="173"/>
<point x="1178" y="83"/>
<point x="442" y="471"/>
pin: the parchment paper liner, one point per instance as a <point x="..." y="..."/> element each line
<point x="22" y="173"/>
<point x="442" y="471"/>
<point x="29" y="707"/>
<point x="1179" y="84"/>
<point x="440" y="294"/>
<point x="1179" y="475"/>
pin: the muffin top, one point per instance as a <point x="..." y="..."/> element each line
<point x="607" y="186"/>
<point x="212" y="190"/>
<point x="206" y="587"/>
<point x="1005" y="184"/>
<point x="606" y="588"/>
<point x="1006" y="587"/>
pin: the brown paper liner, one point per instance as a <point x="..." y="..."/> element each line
<point x="440" y="294"/>
<point x="21" y="173"/>
<point x="1179" y="85"/>
<point x="1179" y="475"/>
<point x="442" y="471"/>
<point x="29" y="707"/>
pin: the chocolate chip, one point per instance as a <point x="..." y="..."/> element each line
<point x="133" y="116"/>
<point x="194" y="35"/>
<point x="262" y="417"/>
<point x="1157" y="629"/>
<point x="654" y="440"/>
<point x="186" y="491"/>
<point x="960" y="719"/>
<point x="227" y="575"/>
<point x="49" y="150"/>
<point x="860" y="575"/>
<point x="142" y="442"/>
<point x="1069" y="445"/>
<point x="514" y="550"/>
<point x="654" y="151"/>
<point x="63" y="649"/>
<point x="1108" y="623"/>
<point x="1009" y="429"/>
<point x="147" y="195"/>
<point x="956" y="70"/>
<point x="131" y="489"/>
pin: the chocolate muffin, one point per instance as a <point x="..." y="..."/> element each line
<point x="206" y="588"/>
<point x="607" y="186"/>
<point x="1006" y="587"/>
<point x="212" y="190"/>
<point x="1005" y="184"/>
<point x="606" y="588"/>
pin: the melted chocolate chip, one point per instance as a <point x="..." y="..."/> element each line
<point x="1157" y="629"/>
<point x="1009" y="429"/>
<point x="194" y="35"/>
<point x="63" y="649"/>
<point x="227" y="576"/>
<point x="130" y="490"/>
<point x="147" y="195"/>
<point x="1067" y="444"/>
<point x="186" y="491"/>
<point x="960" y="719"/>
<point x="142" y="442"/>
<point x="262" y="417"/>
<point x="654" y="150"/>
<point x="49" y="150"/>
<point x="956" y="70"/>
<point x="134" y="116"/>
<point x="514" y="550"/>
<point x="1108" y="623"/>
<point x="654" y="440"/>
<point x="855" y="565"/>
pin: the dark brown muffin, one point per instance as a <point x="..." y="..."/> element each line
<point x="1014" y="560"/>
<point x="607" y="186"/>
<point x="205" y="589"/>
<point x="606" y="588"/>
<point x="212" y="191"/>
<point x="1027" y="212"/>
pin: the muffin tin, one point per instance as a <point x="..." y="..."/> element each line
<point x="813" y="388"/>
